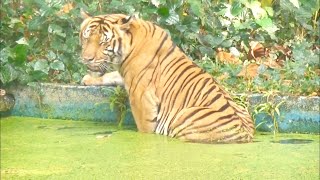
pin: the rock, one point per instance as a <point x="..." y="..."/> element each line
<point x="6" y="102"/>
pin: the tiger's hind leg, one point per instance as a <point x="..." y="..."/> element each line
<point x="206" y="125"/>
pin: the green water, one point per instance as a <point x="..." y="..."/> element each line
<point x="60" y="149"/>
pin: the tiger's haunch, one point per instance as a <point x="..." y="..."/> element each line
<point x="168" y="93"/>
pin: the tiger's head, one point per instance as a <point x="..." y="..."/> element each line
<point x="105" y="40"/>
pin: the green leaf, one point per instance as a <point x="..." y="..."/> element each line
<point x="22" y="41"/>
<point x="269" y="11"/>
<point x="236" y="8"/>
<point x="206" y="51"/>
<point x="173" y="18"/>
<point x="227" y="43"/>
<point x="5" y="53"/>
<point x="56" y="29"/>
<point x="51" y="55"/>
<point x="20" y="52"/>
<point x="57" y="65"/>
<point x="14" y="21"/>
<point x="57" y="44"/>
<point x="267" y="25"/>
<point x="163" y="12"/>
<point x="209" y="40"/>
<point x="42" y="65"/>
<point x="299" y="51"/>
<point x="8" y="74"/>
<point x="34" y="24"/>
<point x="196" y="8"/>
<point x="256" y="9"/>
<point x="295" y="3"/>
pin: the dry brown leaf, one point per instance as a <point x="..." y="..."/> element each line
<point x="257" y="50"/>
<point x="2" y="92"/>
<point x="287" y="82"/>
<point x="271" y="63"/>
<point x="226" y="57"/>
<point x="250" y="71"/>
<point x="317" y="71"/>
<point x="282" y="52"/>
<point x="315" y="94"/>
<point x="66" y="8"/>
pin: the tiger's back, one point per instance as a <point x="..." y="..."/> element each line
<point x="168" y="93"/>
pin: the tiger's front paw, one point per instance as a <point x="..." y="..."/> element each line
<point x="88" y="80"/>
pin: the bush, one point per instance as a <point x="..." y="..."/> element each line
<point x="39" y="39"/>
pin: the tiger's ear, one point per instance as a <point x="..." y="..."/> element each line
<point x="126" y="22"/>
<point x="84" y="14"/>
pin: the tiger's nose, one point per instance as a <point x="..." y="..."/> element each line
<point x="87" y="58"/>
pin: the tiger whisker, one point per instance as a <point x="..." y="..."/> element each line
<point x="105" y="67"/>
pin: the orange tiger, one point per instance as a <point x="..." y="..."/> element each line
<point x="168" y="93"/>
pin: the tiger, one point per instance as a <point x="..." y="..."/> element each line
<point x="168" y="93"/>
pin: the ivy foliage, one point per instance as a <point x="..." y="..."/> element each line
<point x="39" y="38"/>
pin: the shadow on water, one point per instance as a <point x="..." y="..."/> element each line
<point x="66" y="127"/>
<point x="104" y="132"/>
<point x="293" y="141"/>
<point x="102" y="135"/>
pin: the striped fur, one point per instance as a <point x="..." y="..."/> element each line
<point x="168" y="93"/>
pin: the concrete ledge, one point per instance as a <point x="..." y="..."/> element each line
<point x="58" y="101"/>
<point x="297" y="114"/>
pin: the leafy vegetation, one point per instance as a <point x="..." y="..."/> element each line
<point x="118" y="102"/>
<point x="248" y="45"/>
<point x="270" y="109"/>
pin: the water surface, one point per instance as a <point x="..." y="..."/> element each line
<point x="60" y="149"/>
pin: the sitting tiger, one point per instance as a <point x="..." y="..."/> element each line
<point x="168" y="93"/>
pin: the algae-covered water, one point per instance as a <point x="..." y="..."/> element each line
<point x="60" y="149"/>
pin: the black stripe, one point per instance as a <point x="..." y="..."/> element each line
<point x="152" y="120"/>
<point x="205" y="96"/>
<point x="168" y="66"/>
<point x="213" y="99"/>
<point x="196" y="97"/>
<point x="125" y="59"/>
<point x="131" y="37"/>
<point x="154" y="29"/>
<point x="224" y="107"/>
<point x="165" y="111"/>
<point x="114" y="44"/>
<point x="228" y="117"/>
<point x="203" y="126"/>
<point x="149" y="27"/>
<point x="169" y="90"/>
<point x="156" y="67"/>
<point x="105" y="29"/>
<point x="172" y="76"/>
<point x="113" y="34"/>
<point x="146" y="28"/>
<point x="186" y="118"/>
<point x="210" y="113"/>
<point x="143" y="71"/>
<point x="172" y="48"/>
<point x="187" y="80"/>
<point x="120" y="46"/>
<point x="191" y="95"/>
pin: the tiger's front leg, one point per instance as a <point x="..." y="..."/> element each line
<point x="144" y="107"/>
<point x="108" y="79"/>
